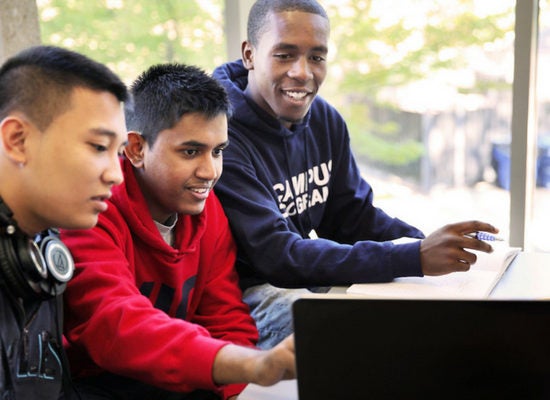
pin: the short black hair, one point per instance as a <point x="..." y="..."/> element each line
<point x="261" y="8"/>
<point x="40" y="80"/>
<point x="164" y="93"/>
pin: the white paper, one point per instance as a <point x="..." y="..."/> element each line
<point x="477" y="283"/>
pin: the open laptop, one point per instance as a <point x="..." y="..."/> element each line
<point x="356" y="348"/>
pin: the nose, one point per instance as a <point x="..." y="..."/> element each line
<point x="113" y="174"/>
<point x="301" y="70"/>
<point x="208" y="168"/>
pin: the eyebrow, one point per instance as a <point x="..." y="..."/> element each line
<point x="106" y="132"/>
<point x="289" y="46"/>
<point x="103" y="132"/>
<point x="194" y="143"/>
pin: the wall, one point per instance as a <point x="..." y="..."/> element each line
<point x="19" y="27"/>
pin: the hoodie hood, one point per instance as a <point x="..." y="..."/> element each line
<point x="234" y="77"/>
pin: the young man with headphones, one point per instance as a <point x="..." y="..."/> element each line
<point x="62" y="127"/>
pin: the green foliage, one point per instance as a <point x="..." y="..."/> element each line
<point x="131" y="35"/>
<point x="380" y="142"/>
<point x="373" y="54"/>
<point x="395" y="152"/>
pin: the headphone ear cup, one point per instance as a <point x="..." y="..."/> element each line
<point x="23" y="267"/>
<point x="59" y="262"/>
<point x="15" y="279"/>
<point x="30" y="258"/>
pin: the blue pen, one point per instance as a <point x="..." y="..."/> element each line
<point x="484" y="236"/>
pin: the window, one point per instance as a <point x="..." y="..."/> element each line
<point x="426" y="87"/>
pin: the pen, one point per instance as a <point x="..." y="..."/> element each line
<point x="484" y="236"/>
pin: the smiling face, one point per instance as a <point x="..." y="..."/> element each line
<point x="288" y="65"/>
<point x="67" y="171"/>
<point x="179" y="171"/>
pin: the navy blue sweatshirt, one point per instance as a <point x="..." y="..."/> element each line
<point x="279" y="184"/>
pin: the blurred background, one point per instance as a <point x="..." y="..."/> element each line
<point x="425" y="86"/>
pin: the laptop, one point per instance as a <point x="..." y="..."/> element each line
<point x="356" y="348"/>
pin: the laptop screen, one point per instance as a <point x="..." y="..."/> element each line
<point x="351" y="348"/>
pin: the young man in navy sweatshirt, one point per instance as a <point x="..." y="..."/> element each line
<point x="289" y="171"/>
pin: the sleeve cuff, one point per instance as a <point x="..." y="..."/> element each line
<point x="232" y="390"/>
<point x="405" y="259"/>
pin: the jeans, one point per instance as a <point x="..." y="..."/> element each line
<point x="271" y="308"/>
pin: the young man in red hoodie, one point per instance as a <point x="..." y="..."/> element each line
<point x="154" y="309"/>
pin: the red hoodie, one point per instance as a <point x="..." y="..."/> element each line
<point x="140" y="308"/>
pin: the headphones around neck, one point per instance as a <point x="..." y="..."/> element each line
<point x="38" y="268"/>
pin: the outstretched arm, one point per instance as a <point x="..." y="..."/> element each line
<point x="444" y="251"/>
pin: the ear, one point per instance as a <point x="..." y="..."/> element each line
<point x="135" y="148"/>
<point x="247" y="52"/>
<point x="14" y="132"/>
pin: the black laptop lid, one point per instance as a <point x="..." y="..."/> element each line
<point x="421" y="349"/>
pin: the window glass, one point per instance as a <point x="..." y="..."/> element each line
<point x="426" y="87"/>
<point x="130" y="36"/>
<point x="541" y="211"/>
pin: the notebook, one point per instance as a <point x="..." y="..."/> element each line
<point x="477" y="283"/>
<point x="368" y="349"/>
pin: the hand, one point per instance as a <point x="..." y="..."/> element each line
<point x="444" y="251"/>
<point x="238" y="364"/>
<point x="276" y="364"/>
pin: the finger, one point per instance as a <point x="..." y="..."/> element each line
<point x="462" y="266"/>
<point x="456" y="266"/>
<point x="476" y="244"/>
<point x="484" y="226"/>
<point x="474" y="226"/>
<point x="467" y="257"/>
<point x="464" y="260"/>
<point x="291" y="344"/>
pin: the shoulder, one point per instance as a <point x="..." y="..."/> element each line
<point x="323" y="111"/>
<point x="327" y="125"/>
<point x="242" y="146"/>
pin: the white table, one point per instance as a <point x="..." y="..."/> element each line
<point x="284" y="390"/>
<point x="527" y="277"/>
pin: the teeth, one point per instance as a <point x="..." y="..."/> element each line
<point x="297" y="95"/>
<point x="201" y="191"/>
